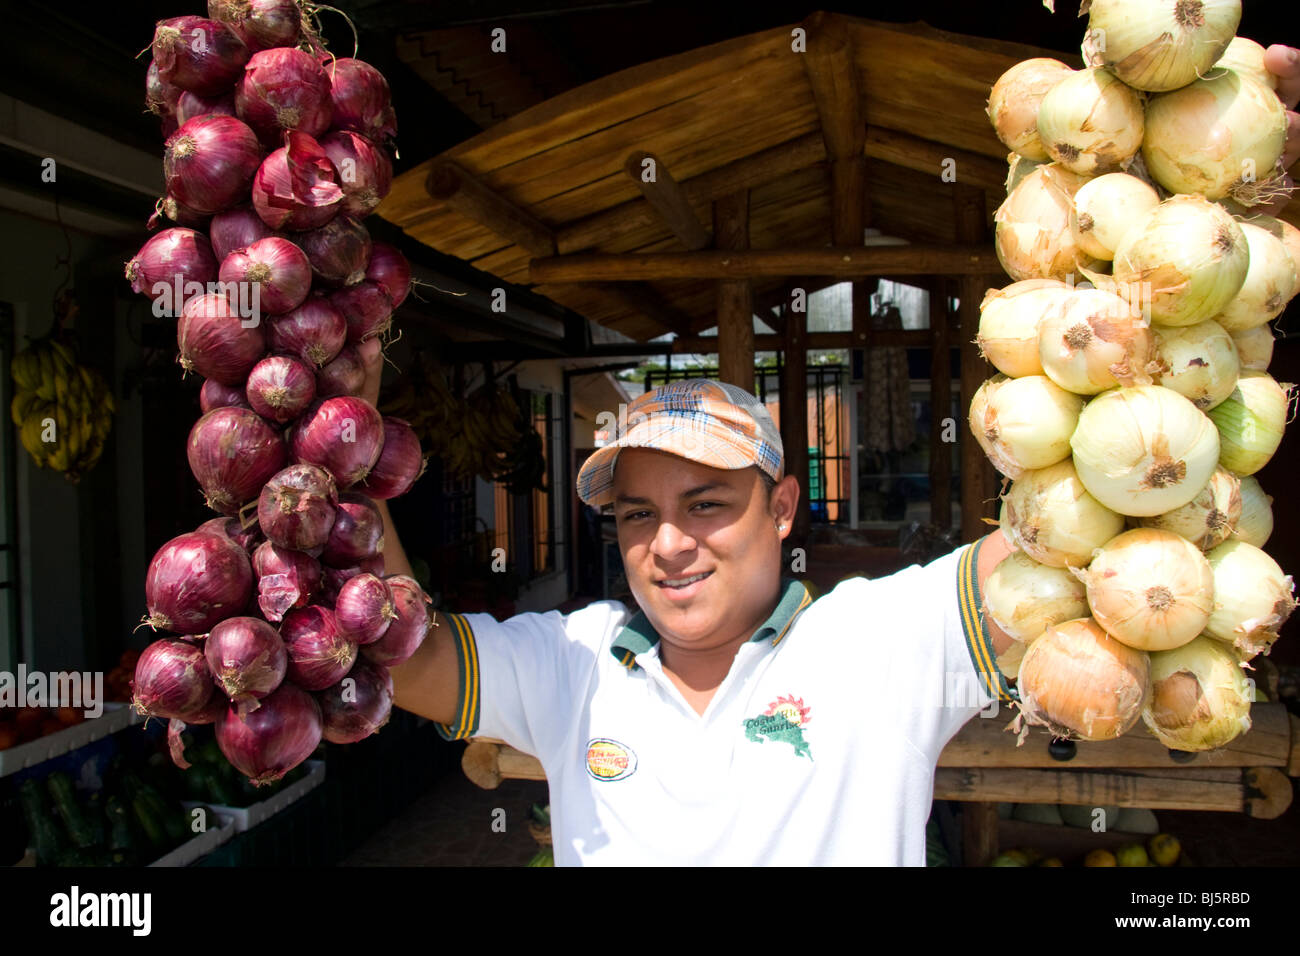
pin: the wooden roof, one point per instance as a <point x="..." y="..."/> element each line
<point x="737" y="114"/>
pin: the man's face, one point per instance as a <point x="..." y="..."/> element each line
<point x="700" y="545"/>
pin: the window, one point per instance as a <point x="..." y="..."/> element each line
<point x="526" y="523"/>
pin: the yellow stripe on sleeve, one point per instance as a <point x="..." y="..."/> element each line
<point x="467" y="718"/>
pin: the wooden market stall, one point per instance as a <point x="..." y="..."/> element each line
<point x="702" y="189"/>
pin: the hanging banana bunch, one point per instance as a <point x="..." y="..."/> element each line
<point x="63" y="410"/>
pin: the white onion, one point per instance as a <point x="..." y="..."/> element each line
<point x="1221" y="137"/>
<point x="1081" y="683"/>
<point x="1105" y="209"/>
<point x="1032" y="237"/>
<point x="1254" y="348"/>
<point x="1144" y="450"/>
<point x="1013" y="103"/>
<point x="1023" y="597"/>
<point x="1024" y="423"/>
<point x="1255" y="526"/>
<point x="1050" y="516"/>
<point x="1252" y="598"/>
<point x="1158" y="45"/>
<point x="1270" y="282"/>
<point x="1009" y="660"/>
<point x="1150" y="589"/>
<point x="1095" y="340"/>
<point x="1208" y="519"/>
<point x="1250" y="422"/>
<point x="1018" y="167"/>
<point x="1246" y="56"/>
<point x="1199" y="362"/>
<point x="1280" y="229"/>
<point x="1091" y="123"/>
<point x="1186" y="258"/>
<point x="1009" y="317"/>
<point x="1200" y="698"/>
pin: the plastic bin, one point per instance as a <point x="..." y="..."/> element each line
<point x="245" y="818"/>
<point x="117" y="716"/>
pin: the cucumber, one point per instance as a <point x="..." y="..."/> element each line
<point x="48" y="840"/>
<point x="75" y="821"/>
<point x="144" y="813"/>
<point x="94" y="808"/>
<point x="120" y="835"/>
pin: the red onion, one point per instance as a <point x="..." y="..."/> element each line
<point x="364" y="608"/>
<point x="267" y="743"/>
<point x="247" y="538"/>
<point x="215" y="395"/>
<point x="191" y="105"/>
<point x="389" y="269"/>
<point x="365" y="171"/>
<point x="176" y="258"/>
<point x="277" y="267"/>
<point x="358" y="532"/>
<point x="338" y="251"/>
<point x="407" y="630"/>
<point x="210" y="162"/>
<point x="333" y="579"/>
<point x="344" y="376"/>
<point x="362" y="101"/>
<point x="235" y="229"/>
<point x="197" y="54"/>
<point x="284" y="89"/>
<point x="319" y="654"/>
<point x="172" y="680"/>
<point x="400" y="462"/>
<point x="233" y="453"/>
<point x="169" y="208"/>
<point x="296" y="187"/>
<point x="280" y="388"/>
<point x="296" y="508"/>
<point x="247" y="658"/>
<point x="285" y="579"/>
<point x="367" y="308"/>
<point x="343" y="435"/>
<point x="196" y="581"/>
<point x="160" y="96"/>
<point x="216" y="342"/>
<point x="315" y="332"/>
<point x="261" y="24"/>
<point x="357" y="706"/>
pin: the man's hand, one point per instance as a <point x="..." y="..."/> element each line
<point x="1284" y="63"/>
<point x="372" y="357"/>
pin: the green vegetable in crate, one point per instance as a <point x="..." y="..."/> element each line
<point x="544" y="857"/>
<point x="48" y="838"/>
<point x="75" y="820"/>
<point x="122" y="841"/>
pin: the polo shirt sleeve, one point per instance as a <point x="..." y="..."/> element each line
<point x="524" y="679"/>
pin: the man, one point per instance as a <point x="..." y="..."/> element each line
<point x="735" y="718"/>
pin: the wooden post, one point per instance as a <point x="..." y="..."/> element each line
<point x="940" y="403"/>
<point x="979" y="480"/>
<point x="794" y="413"/>
<point x="735" y="296"/>
<point x="979" y="833"/>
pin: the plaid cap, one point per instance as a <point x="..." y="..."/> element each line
<point x="712" y="423"/>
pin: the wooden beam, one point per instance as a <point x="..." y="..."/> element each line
<point x="450" y="184"/>
<point x="817" y="341"/>
<point x="940" y="402"/>
<point x="644" y="298"/>
<point x="927" y="156"/>
<point x="794" y="415"/>
<point x="979" y="833"/>
<point x="735" y="296"/>
<point x="845" y="263"/>
<point x="666" y="196"/>
<point x="748" y="173"/>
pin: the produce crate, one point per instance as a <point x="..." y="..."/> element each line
<point x="245" y="818"/>
<point x="116" y="716"/>
<point x="203" y="844"/>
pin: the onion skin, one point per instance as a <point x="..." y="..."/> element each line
<point x="1199" y="362"/>
<point x="407" y="630"/>
<point x="172" y="681"/>
<point x="209" y="68"/>
<point x="1152" y="45"/>
<point x="365" y="171"/>
<point x="338" y="251"/>
<point x="1022" y="424"/>
<point x="1255" y="526"/>
<point x="283" y="90"/>
<point x="285" y="579"/>
<point x="235" y="229"/>
<point x="216" y="342"/>
<point x="319" y="653"/>
<point x="173" y="254"/>
<point x="1014" y="102"/>
<point x="1269" y="285"/>
<point x="296" y="187"/>
<point x="390" y="270"/>
<point x="278" y="268"/>
<point x="1250" y="422"/>
<point x="233" y="453"/>
<point x="400" y="462"/>
<point x="1009" y="320"/>
<point x="191" y="105"/>
<point x="1051" y="517"/>
<point x="1254" y="348"/>
<point x="1091" y="123"/>
<point x="280" y="388"/>
<point x="1253" y="598"/>
<point x="1104" y="209"/>
<point x="160" y="96"/>
<point x="342" y="435"/>
<point x="364" y="608"/>
<point x="267" y="743"/>
<point x="1200" y="698"/>
<point x="1210" y="518"/>
<point x="353" y="711"/>
<point x="209" y="162"/>
<point x="362" y="101"/>
<point x="315" y="332"/>
<point x="296" y="507"/>
<point x="1095" y="340"/>
<point x="367" y="309"/>
<point x="247" y="538"/>
<point x="358" y="532"/>
<point x="1032" y="237"/>
<point x="195" y="581"/>
<point x="333" y="579"/>
<point x="215" y="395"/>
<point x="247" y="659"/>
<point x="1081" y="683"/>
<point x="344" y="375"/>
<point x="261" y="24"/>
<point x="1024" y="597"/>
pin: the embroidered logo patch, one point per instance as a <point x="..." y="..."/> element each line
<point x="609" y="760"/>
<point x="783" y="721"/>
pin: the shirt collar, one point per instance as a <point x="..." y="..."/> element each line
<point x="638" y="635"/>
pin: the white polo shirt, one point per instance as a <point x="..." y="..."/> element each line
<point x="819" y="747"/>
